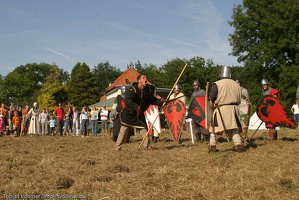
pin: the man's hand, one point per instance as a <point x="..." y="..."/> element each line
<point x="163" y="101"/>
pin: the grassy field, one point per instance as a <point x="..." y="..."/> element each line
<point x="90" y="167"/>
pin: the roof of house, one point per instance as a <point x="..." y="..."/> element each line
<point x="128" y="76"/>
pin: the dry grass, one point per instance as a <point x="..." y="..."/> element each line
<point x="90" y="166"/>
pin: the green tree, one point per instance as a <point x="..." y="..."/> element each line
<point x="151" y="71"/>
<point x="3" y="91"/>
<point x="53" y="91"/>
<point x="81" y="88"/>
<point x="266" y="38"/>
<point x="104" y="74"/>
<point x="266" y="32"/>
<point x="24" y="82"/>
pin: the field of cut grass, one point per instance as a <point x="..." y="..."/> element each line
<point x="90" y="167"/>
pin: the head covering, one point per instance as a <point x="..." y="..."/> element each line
<point x="196" y="82"/>
<point x="225" y="72"/>
<point x="34" y="104"/>
<point x="238" y="80"/>
<point x="264" y="82"/>
<point x="177" y="86"/>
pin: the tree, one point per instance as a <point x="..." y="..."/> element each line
<point x="53" y="91"/>
<point x="151" y="71"/>
<point x="3" y="91"/>
<point x="266" y="33"/>
<point x="24" y="82"/>
<point x="266" y="39"/>
<point x="104" y="74"/>
<point x="81" y="88"/>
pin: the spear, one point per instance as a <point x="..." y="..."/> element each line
<point x="162" y="107"/>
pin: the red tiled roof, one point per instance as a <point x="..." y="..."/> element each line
<point x="129" y="75"/>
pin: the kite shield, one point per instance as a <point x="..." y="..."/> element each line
<point x="152" y="117"/>
<point x="271" y="111"/>
<point x="175" y="113"/>
<point x="200" y="111"/>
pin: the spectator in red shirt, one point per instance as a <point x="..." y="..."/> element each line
<point x="59" y="114"/>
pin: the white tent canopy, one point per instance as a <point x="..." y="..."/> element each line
<point x="255" y="122"/>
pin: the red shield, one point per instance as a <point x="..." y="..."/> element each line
<point x="200" y="112"/>
<point x="271" y="111"/>
<point x="175" y="113"/>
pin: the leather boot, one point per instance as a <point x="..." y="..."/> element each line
<point x="275" y="135"/>
<point x="239" y="148"/>
<point x="212" y="148"/>
<point x="272" y="135"/>
<point x="207" y="136"/>
<point x="198" y="137"/>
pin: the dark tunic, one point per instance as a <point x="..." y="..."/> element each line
<point x="135" y="97"/>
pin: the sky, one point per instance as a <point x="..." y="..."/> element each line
<point x="65" y="32"/>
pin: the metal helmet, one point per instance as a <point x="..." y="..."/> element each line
<point x="196" y="82"/>
<point x="225" y="72"/>
<point x="264" y="82"/>
<point x="177" y="86"/>
<point x="238" y="80"/>
<point x="123" y="89"/>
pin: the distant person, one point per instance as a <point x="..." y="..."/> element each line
<point x="295" y="111"/>
<point x="9" y="119"/>
<point x="16" y="121"/>
<point x="4" y="112"/>
<point x="104" y="120"/>
<point x="2" y="126"/>
<point x="199" y="131"/>
<point x="84" y="121"/>
<point x="245" y="94"/>
<point x="75" y="129"/>
<point x="66" y="119"/>
<point x="25" y="121"/>
<point x="52" y="123"/>
<point x="276" y="94"/>
<point x="59" y="115"/>
<point x="33" y="115"/>
<point x="70" y="111"/>
<point x="44" y="119"/>
<point x="94" y="114"/>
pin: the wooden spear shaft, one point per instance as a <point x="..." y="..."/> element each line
<point x="151" y="125"/>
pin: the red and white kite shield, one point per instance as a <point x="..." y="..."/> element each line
<point x="175" y="113"/>
<point x="271" y="111"/>
<point x="151" y="115"/>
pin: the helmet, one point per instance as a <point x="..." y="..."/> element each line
<point x="225" y="72"/>
<point x="264" y="82"/>
<point x="239" y="81"/>
<point x="177" y="86"/>
<point x="196" y="82"/>
<point x="123" y="89"/>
